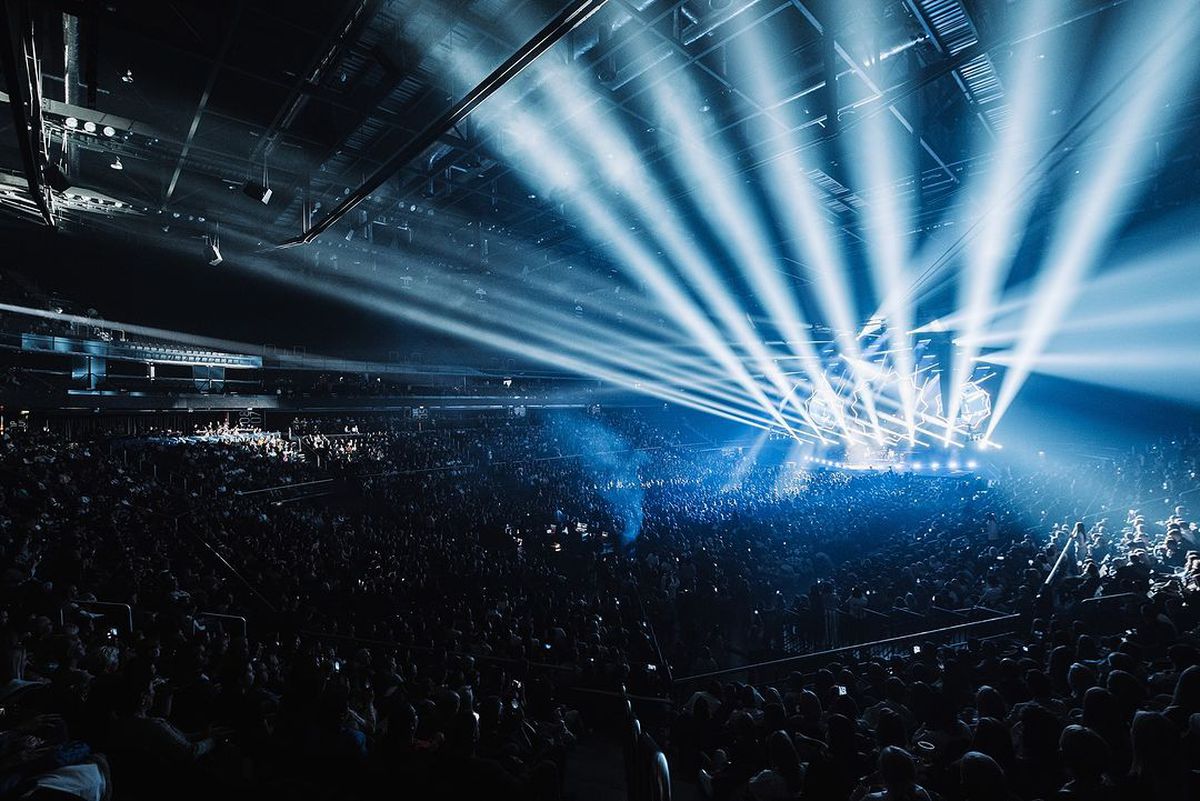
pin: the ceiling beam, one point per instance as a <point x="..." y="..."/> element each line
<point x="562" y="24"/>
<point x="213" y="72"/>
<point x="870" y="83"/>
<point x="21" y="68"/>
<point x="362" y="12"/>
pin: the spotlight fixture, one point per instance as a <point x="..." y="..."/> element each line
<point x="116" y="164"/>
<point x="108" y="130"/>
<point x="89" y="126"/>
<point x="259" y="191"/>
<point x="71" y="123"/>
<point x="212" y="247"/>
<point x="127" y="77"/>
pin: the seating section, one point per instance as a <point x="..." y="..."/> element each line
<point x="447" y="608"/>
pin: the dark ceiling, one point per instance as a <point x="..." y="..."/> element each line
<point x="310" y="98"/>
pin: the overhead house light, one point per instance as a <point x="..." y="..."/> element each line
<point x="212" y="249"/>
<point x="212" y="246"/>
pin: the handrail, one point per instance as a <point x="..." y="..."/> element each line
<point x="1061" y="556"/>
<point x="238" y="575"/>
<point x="1043" y="601"/>
<point x="242" y="493"/>
<point x="866" y="612"/>
<point x="847" y="649"/>
<point x="653" y="635"/>
<point x="650" y="699"/>
<point x="429" y="649"/>
<point x="1113" y="597"/>
<point x="111" y="604"/>
<point x="943" y="610"/>
<point x="219" y="616"/>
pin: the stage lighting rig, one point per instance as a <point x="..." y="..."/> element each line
<point x="975" y="406"/>
<point x="821" y="413"/>
<point x="92" y="127"/>
<point x="260" y="189"/>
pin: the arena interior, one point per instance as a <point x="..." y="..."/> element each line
<point x="600" y="400"/>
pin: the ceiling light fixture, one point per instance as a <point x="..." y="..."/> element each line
<point x="212" y="251"/>
<point x="116" y="164"/>
<point x="259" y="192"/>
<point x="212" y="246"/>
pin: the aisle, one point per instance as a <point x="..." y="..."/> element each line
<point x="595" y="770"/>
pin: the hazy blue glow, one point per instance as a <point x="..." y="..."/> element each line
<point x="611" y="463"/>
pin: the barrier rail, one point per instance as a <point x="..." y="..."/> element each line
<point x="649" y="699"/>
<point x="895" y="622"/>
<point x="101" y="604"/>
<point x="1108" y="614"/>
<point x="1062" y="555"/>
<point x="1109" y="598"/>
<point x="1005" y="624"/>
<point x="218" y="616"/>
<point x="320" y="635"/>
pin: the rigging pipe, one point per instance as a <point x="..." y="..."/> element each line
<point x="562" y="24"/>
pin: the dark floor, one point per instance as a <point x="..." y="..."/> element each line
<point x="596" y="772"/>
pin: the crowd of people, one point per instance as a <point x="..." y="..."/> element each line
<point x="353" y="606"/>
